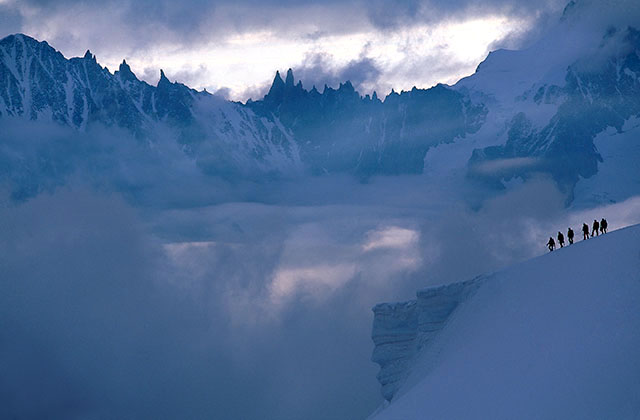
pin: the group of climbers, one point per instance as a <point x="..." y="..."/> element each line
<point x="596" y="229"/>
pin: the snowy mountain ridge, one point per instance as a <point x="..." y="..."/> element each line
<point x="547" y="103"/>
<point x="522" y="113"/>
<point x="39" y="83"/>
<point x="552" y="337"/>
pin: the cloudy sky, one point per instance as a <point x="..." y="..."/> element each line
<point x="235" y="47"/>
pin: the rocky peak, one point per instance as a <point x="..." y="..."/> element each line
<point x="347" y="87"/>
<point x="125" y="73"/>
<point x="163" y="79"/>
<point x="276" y="92"/>
<point x="277" y="81"/>
<point x="12" y="39"/>
<point x="89" y="56"/>
<point x="289" y="80"/>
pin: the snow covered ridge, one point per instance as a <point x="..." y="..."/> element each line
<point x="553" y="99"/>
<point x="291" y="128"/>
<point x="552" y="337"/>
<point x="539" y="109"/>
<point x="39" y="83"/>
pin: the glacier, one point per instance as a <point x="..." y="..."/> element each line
<point x="553" y="337"/>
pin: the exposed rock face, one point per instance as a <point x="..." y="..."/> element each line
<point x="340" y="131"/>
<point x="402" y="330"/>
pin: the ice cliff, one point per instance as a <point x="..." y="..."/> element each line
<point x="402" y="330"/>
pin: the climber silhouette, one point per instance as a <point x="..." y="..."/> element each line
<point x="561" y="239"/>
<point x="570" y="235"/>
<point x="551" y="244"/>
<point x="596" y="228"/>
<point x="585" y="231"/>
<point x="603" y="225"/>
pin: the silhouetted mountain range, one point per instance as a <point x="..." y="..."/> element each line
<point x="521" y="113"/>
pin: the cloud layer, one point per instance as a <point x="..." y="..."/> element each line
<point x="196" y="310"/>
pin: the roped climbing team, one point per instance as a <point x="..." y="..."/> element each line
<point x="596" y="229"/>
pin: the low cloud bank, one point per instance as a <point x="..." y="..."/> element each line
<point x="143" y="292"/>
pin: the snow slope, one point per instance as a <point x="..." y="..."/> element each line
<point x="554" y="337"/>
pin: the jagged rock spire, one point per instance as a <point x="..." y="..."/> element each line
<point x="347" y="86"/>
<point x="276" y="92"/>
<point x="289" y="80"/>
<point x="125" y="73"/>
<point x="277" y="81"/>
<point x="89" y="56"/>
<point x="285" y="91"/>
<point x="163" y="78"/>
